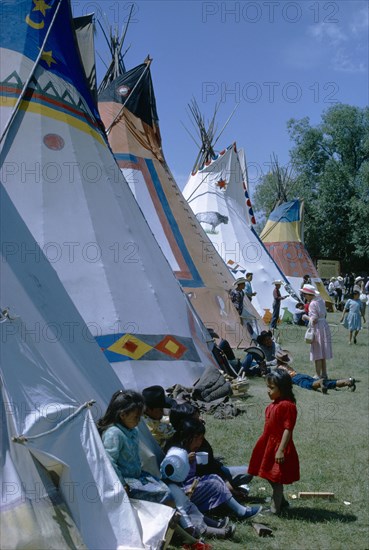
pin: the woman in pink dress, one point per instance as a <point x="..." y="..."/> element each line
<point x="321" y="347"/>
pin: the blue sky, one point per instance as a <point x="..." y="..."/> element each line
<point x="277" y="59"/>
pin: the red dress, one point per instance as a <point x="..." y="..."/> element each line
<point x="279" y="415"/>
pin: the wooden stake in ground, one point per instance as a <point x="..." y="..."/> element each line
<point x="311" y="494"/>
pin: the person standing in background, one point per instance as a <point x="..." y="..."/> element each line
<point x="248" y="287"/>
<point x="321" y="347"/>
<point x="237" y="294"/>
<point x="277" y="298"/>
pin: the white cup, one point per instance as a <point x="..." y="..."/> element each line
<point x="202" y="458"/>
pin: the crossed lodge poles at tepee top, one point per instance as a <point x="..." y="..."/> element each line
<point x="218" y="193"/>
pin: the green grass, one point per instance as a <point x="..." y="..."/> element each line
<point x="332" y="440"/>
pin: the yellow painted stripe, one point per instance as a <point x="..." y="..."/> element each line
<point x="275" y="232"/>
<point x="54" y="114"/>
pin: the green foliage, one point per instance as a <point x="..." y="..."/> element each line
<point x="265" y="194"/>
<point x="331" y="173"/>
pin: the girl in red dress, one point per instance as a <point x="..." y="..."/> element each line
<point x="274" y="456"/>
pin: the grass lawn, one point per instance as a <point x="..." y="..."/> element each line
<point x="332" y="440"/>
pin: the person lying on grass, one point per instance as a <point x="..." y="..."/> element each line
<point x="284" y="360"/>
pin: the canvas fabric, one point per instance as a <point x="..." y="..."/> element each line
<point x="218" y="195"/>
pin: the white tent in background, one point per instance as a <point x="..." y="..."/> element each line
<point x="217" y="192"/>
<point x="128" y="109"/>
<point x="59" y="489"/>
<point x="64" y="181"/>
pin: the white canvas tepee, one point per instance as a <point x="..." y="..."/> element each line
<point x="59" y="489"/>
<point x="217" y="191"/>
<point x="64" y="181"/>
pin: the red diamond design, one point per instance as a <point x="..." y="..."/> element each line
<point x="130" y="346"/>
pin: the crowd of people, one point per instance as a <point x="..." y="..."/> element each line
<point x="191" y="478"/>
<point x="350" y="295"/>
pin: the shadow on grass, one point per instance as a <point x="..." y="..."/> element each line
<point x="318" y="515"/>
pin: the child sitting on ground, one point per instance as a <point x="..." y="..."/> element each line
<point x="234" y="476"/>
<point x="211" y="491"/>
<point x="161" y="429"/>
<point x="155" y="403"/>
<point x="119" y="433"/>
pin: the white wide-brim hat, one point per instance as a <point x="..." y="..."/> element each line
<point x="309" y="289"/>
<point x="257" y="353"/>
<point x="359" y="279"/>
<point x="278" y="282"/>
<point x="239" y="281"/>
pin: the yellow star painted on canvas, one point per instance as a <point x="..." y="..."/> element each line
<point x="48" y="57"/>
<point x="40" y="5"/>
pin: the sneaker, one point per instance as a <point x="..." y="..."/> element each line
<point x="230" y="531"/>
<point x="252" y="511"/>
<point x="223" y="523"/>
<point x="220" y="523"/>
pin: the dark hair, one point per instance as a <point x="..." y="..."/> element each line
<point x="190" y="428"/>
<point x="283" y="381"/>
<point x="180" y="412"/>
<point x="263" y="335"/>
<point x="122" y="401"/>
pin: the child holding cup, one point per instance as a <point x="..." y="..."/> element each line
<point x="210" y="490"/>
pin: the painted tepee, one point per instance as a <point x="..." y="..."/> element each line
<point x="283" y="238"/>
<point x="63" y="179"/>
<point x="128" y="109"/>
<point x="217" y="191"/>
<point x="59" y="489"/>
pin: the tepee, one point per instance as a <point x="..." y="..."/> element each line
<point x="128" y="109"/>
<point x="59" y="489"/>
<point x="283" y="237"/>
<point x="218" y="193"/>
<point x="63" y="179"/>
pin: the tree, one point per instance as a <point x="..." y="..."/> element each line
<point x="331" y="173"/>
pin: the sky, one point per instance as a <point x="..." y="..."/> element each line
<point x="272" y="60"/>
